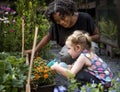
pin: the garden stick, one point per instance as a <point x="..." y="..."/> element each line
<point x="27" y="59"/>
<point x="22" y="36"/>
<point x="31" y="61"/>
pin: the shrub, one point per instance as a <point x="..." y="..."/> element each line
<point x="11" y="31"/>
<point x="12" y="74"/>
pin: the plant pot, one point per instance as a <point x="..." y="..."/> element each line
<point x="43" y="88"/>
<point x="46" y="88"/>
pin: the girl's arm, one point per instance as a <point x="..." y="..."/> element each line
<point x="56" y="67"/>
<point x="78" y="65"/>
<point x="70" y="67"/>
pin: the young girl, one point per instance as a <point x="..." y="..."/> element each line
<point x="88" y="67"/>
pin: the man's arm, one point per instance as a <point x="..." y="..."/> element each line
<point x="96" y="35"/>
<point x="42" y="43"/>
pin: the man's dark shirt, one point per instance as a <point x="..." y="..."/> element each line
<point x="84" y="22"/>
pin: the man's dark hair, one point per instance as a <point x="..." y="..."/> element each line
<point x="64" y="7"/>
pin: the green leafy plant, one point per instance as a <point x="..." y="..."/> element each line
<point x="92" y="87"/>
<point x="6" y="22"/>
<point x="11" y="33"/>
<point x="32" y="12"/>
<point x="12" y="74"/>
<point x="115" y="85"/>
<point x="108" y="29"/>
<point x="73" y="83"/>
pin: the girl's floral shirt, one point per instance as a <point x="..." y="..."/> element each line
<point x="98" y="68"/>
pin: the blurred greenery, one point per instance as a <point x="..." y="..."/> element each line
<point x="12" y="73"/>
<point x="32" y="11"/>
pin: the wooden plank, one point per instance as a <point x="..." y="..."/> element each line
<point x="86" y="5"/>
<point x="109" y="42"/>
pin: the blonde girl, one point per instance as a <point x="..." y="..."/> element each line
<point x="88" y="67"/>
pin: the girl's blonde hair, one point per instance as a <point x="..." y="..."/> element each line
<point x="81" y="38"/>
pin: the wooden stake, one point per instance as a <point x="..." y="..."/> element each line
<point x="23" y="36"/>
<point x="27" y="59"/>
<point x="31" y="61"/>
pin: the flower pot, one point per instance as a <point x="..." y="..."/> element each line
<point x="43" y="88"/>
<point x="46" y="88"/>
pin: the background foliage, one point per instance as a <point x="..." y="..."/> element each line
<point x="11" y="34"/>
<point x="12" y="73"/>
<point x="108" y="29"/>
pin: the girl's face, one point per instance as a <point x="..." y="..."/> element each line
<point x="64" y="21"/>
<point x="73" y="51"/>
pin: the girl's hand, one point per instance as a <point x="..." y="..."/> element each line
<point x="69" y="67"/>
<point x="53" y="67"/>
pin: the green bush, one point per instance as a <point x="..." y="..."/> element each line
<point x="108" y="29"/>
<point x="13" y="74"/>
<point x="11" y="32"/>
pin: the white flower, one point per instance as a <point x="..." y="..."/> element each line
<point x="1" y="19"/>
<point x="14" y="12"/>
<point x="6" y="13"/>
<point x="7" y="21"/>
<point x="5" y="18"/>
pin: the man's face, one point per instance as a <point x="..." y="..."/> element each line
<point x="64" y="21"/>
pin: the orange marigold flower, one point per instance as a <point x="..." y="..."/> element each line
<point x="45" y="76"/>
<point x="45" y="71"/>
<point x="40" y="69"/>
<point x="37" y="68"/>
<point x="37" y="76"/>
<point x="46" y="67"/>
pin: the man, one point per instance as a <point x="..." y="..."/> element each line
<point x="64" y="19"/>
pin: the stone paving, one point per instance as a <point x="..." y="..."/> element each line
<point x="113" y="63"/>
